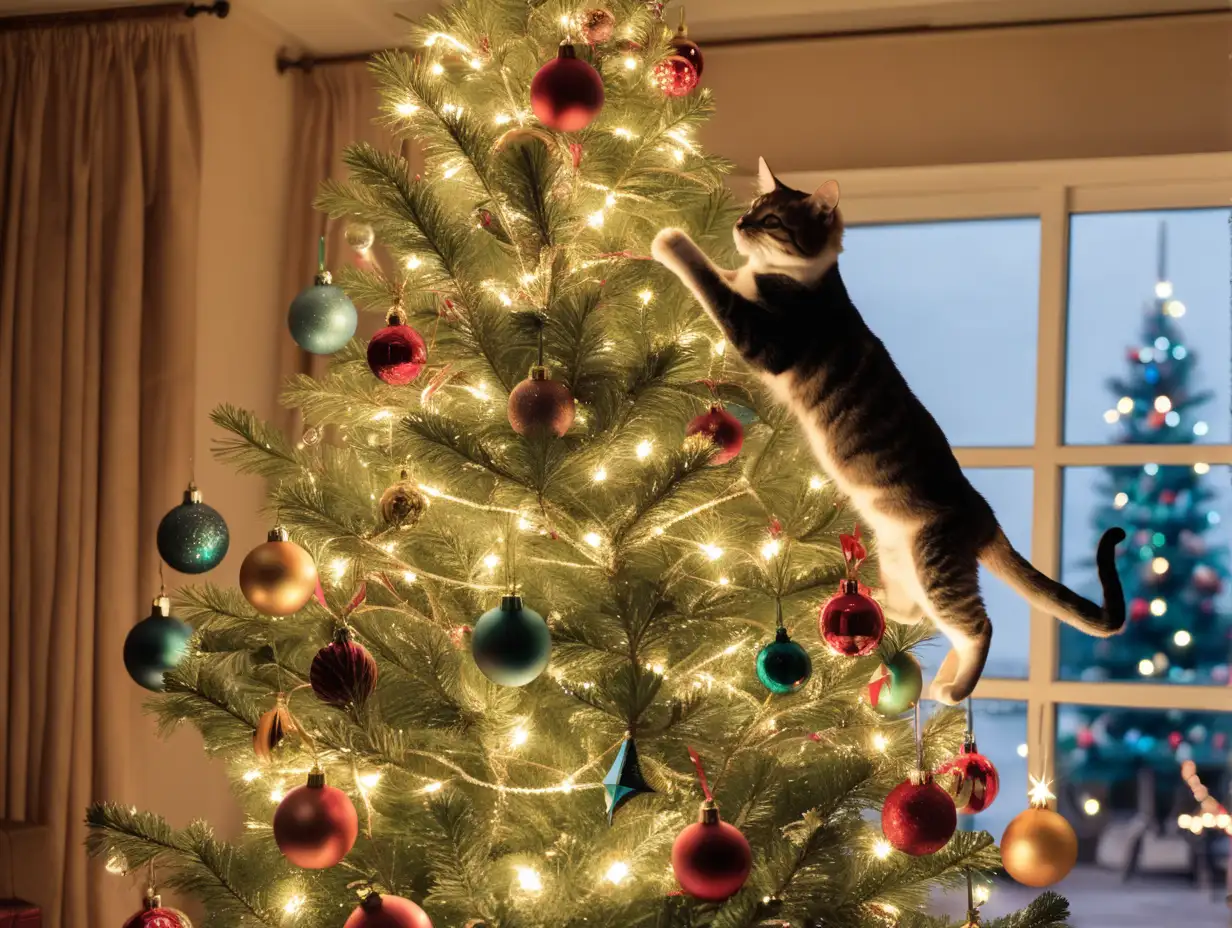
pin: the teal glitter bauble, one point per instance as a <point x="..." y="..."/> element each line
<point x="193" y="537"/>
<point x="322" y="318"/>
<point x="155" y="645"/>
<point x="782" y="665"/>
<point x="511" y="644"/>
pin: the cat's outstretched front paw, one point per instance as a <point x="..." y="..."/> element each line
<point x="669" y="245"/>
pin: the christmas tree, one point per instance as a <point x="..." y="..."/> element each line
<point x="547" y="602"/>
<point x="1171" y="573"/>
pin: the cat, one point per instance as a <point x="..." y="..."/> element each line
<point x="789" y="315"/>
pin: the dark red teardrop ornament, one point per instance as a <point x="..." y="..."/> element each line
<point x="343" y="672"/>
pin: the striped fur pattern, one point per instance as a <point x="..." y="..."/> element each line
<point x="788" y="313"/>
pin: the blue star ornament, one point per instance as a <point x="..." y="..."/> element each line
<point x="624" y="780"/>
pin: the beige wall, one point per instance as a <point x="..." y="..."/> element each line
<point x="1100" y="90"/>
<point x="246" y="112"/>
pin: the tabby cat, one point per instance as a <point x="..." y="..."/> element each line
<point x="787" y="312"/>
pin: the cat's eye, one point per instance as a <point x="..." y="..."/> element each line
<point x="771" y="222"/>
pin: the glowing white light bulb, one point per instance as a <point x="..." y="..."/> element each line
<point x="505" y="298"/>
<point x="438" y="69"/>
<point x="476" y="63"/>
<point x="433" y="787"/>
<point x="450" y="171"/>
<point x="405" y="108"/>
<point x="502" y="119"/>
<point x="1174" y="308"/>
<point x="529" y="879"/>
<point x="1120" y="500"/>
<point x="370" y="779"/>
<point x="882" y="849"/>
<point x="1039" y="793"/>
<point x="338" y="568"/>
<point x="657" y="669"/>
<point x="276" y="794"/>
<point x="719" y="347"/>
<point x="643" y="449"/>
<point x="622" y="132"/>
<point x="595" y="219"/>
<point x="1145" y="667"/>
<point x="1091" y="806"/>
<point x="1172" y="419"/>
<point x="1163" y="289"/>
<point x="1111" y="416"/>
<point x="412" y="262"/>
<point x="617" y="872"/>
<point x="519" y="737"/>
<point x="410" y="576"/>
<point x="646" y="296"/>
<point x="1201" y="428"/>
<point x="490" y="561"/>
<point x="1201" y="468"/>
<point x="594" y="539"/>
<point x="1125" y="405"/>
<point x="609" y="200"/>
<point x="1160" y="565"/>
<point x="250" y="775"/>
<point x="771" y="548"/>
<point x="1159" y="607"/>
<point x="981" y="894"/>
<point x="880" y="742"/>
<point x="116" y="864"/>
<point x="712" y="551"/>
<point x="1022" y="750"/>
<point x="1182" y="639"/>
<point x="1162" y="404"/>
<point x="294" y="904"/>
<point x="678" y="154"/>
<point x="724" y="581"/>
<point x="599" y="475"/>
<point x="631" y="63"/>
<point x="816" y="482"/>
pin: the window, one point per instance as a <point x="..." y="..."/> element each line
<point x="1069" y="326"/>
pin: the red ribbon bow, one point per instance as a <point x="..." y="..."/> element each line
<point x="854" y="552"/>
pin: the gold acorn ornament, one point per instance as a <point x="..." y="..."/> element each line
<point x="403" y="504"/>
<point x="274" y="725"/>
<point x="1039" y="847"/>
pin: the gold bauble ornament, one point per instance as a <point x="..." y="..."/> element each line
<point x="403" y="504"/>
<point x="1039" y="848"/>
<point x="278" y="577"/>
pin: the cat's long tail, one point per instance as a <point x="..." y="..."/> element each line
<point x="1057" y="599"/>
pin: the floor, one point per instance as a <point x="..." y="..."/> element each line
<point x="1099" y="899"/>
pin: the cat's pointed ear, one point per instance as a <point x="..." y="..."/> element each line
<point x="826" y="196"/>
<point x="766" y="181"/>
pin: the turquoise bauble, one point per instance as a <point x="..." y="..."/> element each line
<point x="322" y="318"/>
<point x="155" y="645"/>
<point x="511" y="644"/>
<point x="193" y="537"/>
<point x="782" y="665"/>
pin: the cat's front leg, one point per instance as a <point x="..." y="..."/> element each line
<point x="710" y="284"/>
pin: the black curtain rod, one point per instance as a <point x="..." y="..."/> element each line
<point x="285" y="63"/>
<point x="219" y="8"/>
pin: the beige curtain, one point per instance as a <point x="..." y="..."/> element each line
<point x="336" y="104"/>
<point x="99" y="174"/>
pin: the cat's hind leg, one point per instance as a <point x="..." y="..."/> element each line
<point x="951" y="582"/>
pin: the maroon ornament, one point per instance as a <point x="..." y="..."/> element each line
<point x="970" y="779"/>
<point x="343" y="672"/>
<point x="686" y="48"/>
<point x="153" y="915"/>
<point x="1139" y="609"/>
<point x="598" y="26"/>
<point x="566" y="94"/>
<point x="397" y="353"/>
<point x="1207" y="579"/>
<point x="919" y="817"/>
<point x="1085" y="738"/>
<point x="711" y="859"/>
<point x="721" y="429"/>
<point x="675" y="76"/>
<point x="315" y="825"/>
<point x="851" y="623"/>
<point x="541" y="405"/>
<point x="1167" y="497"/>
<point x="378" y="911"/>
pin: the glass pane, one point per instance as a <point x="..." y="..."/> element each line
<point x="1149" y="332"/>
<point x="956" y="303"/>
<point x="1131" y="782"/>
<point x="1173" y="568"/>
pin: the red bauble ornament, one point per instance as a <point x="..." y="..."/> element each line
<point x="343" y="672"/>
<point x="721" y="429"/>
<point x="1206" y="579"/>
<point x="971" y="780"/>
<point x="566" y="93"/>
<point x="687" y="49"/>
<point x="540" y="405"/>
<point x="1139" y="609"/>
<point x="851" y="623"/>
<point x="919" y="817"/>
<point x="153" y="915"/>
<point x="1167" y="497"/>
<point x="388" y="912"/>
<point x="675" y="76"/>
<point x="1085" y="738"/>
<point x="397" y="353"/>
<point x="315" y="825"/>
<point x="711" y="858"/>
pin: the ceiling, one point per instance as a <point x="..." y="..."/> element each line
<point x="326" y="27"/>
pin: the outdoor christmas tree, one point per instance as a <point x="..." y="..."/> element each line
<point x="1172" y="574"/>
<point x="547" y="601"/>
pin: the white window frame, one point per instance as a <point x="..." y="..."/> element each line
<point x="1052" y="191"/>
